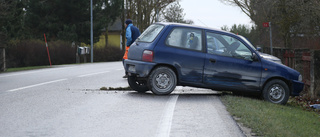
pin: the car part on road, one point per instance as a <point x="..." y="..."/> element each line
<point x="137" y="85"/>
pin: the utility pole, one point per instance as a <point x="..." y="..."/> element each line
<point x="157" y="15"/>
<point x="271" y="49"/>
<point x="91" y="34"/>
<point x="268" y="24"/>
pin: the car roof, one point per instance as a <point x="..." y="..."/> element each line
<point x="193" y="26"/>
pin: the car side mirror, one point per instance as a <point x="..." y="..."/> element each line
<point x="254" y="57"/>
<point x="259" y="49"/>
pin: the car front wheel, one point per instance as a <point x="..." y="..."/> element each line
<point x="276" y="91"/>
<point x="137" y="85"/>
<point x="162" y="81"/>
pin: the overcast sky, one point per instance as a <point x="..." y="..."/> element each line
<point x="213" y="13"/>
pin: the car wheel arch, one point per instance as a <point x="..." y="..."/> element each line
<point x="279" y="78"/>
<point x="169" y="66"/>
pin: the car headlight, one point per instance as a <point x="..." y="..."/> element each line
<point x="300" y="78"/>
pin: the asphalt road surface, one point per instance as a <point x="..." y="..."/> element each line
<point x="66" y="101"/>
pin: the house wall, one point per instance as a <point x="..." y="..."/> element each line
<point x="114" y="39"/>
<point x="101" y="43"/>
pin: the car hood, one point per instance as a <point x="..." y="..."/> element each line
<point x="270" y="57"/>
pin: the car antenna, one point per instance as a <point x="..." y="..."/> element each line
<point x="203" y="23"/>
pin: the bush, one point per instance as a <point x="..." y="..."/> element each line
<point x="110" y="53"/>
<point x="34" y="53"/>
<point x="62" y="52"/>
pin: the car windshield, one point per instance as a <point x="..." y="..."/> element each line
<point x="247" y="41"/>
<point x="151" y="33"/>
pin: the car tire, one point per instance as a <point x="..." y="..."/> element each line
<point x="276" y="91"/>
<point x="162" y="81"/>
<point x="137" y="85"/>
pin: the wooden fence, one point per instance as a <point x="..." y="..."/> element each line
<point x="307" y="62"/>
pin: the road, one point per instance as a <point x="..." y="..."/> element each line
<point x="66" y="101"/>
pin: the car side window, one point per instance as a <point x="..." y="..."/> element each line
<point x="227" y="46"/>
<point x="186" y="38"/>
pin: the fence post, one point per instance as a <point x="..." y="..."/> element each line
<point x="312" y="90"/>
<point x="316" y="64"/>
<point x="2" y="59"/>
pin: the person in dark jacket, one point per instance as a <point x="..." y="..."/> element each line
<point x="132" y="33"/>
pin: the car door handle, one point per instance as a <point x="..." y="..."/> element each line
<point x="212" y="60"/>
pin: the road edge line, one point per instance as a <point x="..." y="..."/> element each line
<point x="164" y="126"/>
<point x="35" y="85"/>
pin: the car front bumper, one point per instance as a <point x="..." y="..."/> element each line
<point x="297" y="87"/>
<point x="139" y="68"/>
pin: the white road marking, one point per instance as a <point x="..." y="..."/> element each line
<point x="40" y="84"/>
<point x="86" y="75"/>
<point x="164" y="127"/>
<point x="31" y="72"/>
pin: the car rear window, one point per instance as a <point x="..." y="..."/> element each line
<point x="151" y="33"/>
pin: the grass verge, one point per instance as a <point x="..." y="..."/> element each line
<point x="267" y="119"/>
<point x="25" y="68"/>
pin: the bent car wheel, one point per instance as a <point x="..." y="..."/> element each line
<point x="162" y="81"/>
<point x="276" y="91"/>
<point x="137" y="85"/>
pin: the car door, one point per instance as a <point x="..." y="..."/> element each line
<point x="183" y="49"/>
<point x="229" y="64"/>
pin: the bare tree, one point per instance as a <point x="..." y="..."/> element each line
<point x="144" y="12"/>
<point x="289" y="17"/>
<point x="174" y="13"/>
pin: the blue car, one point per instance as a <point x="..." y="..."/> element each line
<point x="170" y="54"/>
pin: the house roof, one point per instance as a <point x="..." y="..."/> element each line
<point x="116" y="26"/>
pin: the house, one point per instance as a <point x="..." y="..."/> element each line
<point x="114" y="34"/>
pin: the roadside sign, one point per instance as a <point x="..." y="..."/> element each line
<point x="265" y="24"/>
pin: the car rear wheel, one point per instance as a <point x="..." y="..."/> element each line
<point x="162" y="81"/>
<point x="137" y="85"/>
<point x="276" y="91"/>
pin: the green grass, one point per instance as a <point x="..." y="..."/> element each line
<point x="271" y="120"/>
<point x="25" y="68"/>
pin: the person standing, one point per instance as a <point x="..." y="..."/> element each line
<point x="132" y="33"/>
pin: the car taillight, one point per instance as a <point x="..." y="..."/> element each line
<point x="147" y="56"/>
